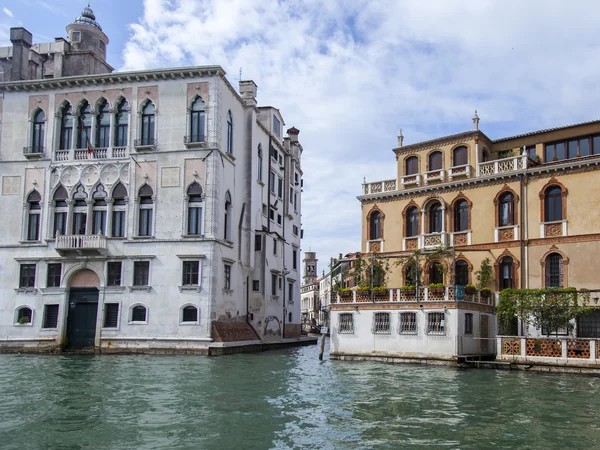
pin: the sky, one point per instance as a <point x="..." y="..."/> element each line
<point x="350" y="73"/>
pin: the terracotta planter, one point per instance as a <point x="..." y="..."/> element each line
<point x="470" y="291"/>
<point x="409" y="292"/>
<point x="436" y="291"/>
<point x="381" y="296"/>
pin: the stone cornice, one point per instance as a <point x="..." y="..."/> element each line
<point x="90" y="81"/>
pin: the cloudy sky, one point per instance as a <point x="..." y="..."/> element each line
<point x="350" y="73"/>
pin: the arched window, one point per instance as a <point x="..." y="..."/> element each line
<point x="553" y="204"/>
<point x="66" y="128"/>
<point x="85" y="126"/>
<point x="506" y="273"/>
<point x="435" y="218"/>
<point x="138" y="313"/>
<point x="33" y="216"/>
<point x="121" y="124"/>
<point x="460" y="156"/>
<point x="119" y="197"/>
<point x="375" y="225"/>
<point x="198" y="120"/>
<point x="99" y="211"/>
<point x="39" y="126"/>
<point x="506" y="210"/>
<point x="148" y="120"/>
<point x="412" y="222"/>
<point x="146" y="206"/>
<point x="554" y="270"/>
<point x="461" y="270"/>
<point x="226" y="230"/>
<point x="103" y="126"/>
<point x="435" y="161"/>
<point x="60" y="211"/>
<point x="189" y="314"/>
<point x="436" y="273"/>
<point x="260" y="163"/>
<point x="24" y="315"/>
<point x="461" y="216"/>
<point x="412" y="165"/>
<point x="194" y="194"/>
<point x="79" y="210"/>
<point x="229" y="132"/>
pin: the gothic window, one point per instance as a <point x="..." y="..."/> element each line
<point x="79" y="210"/>
<point x="146" y="207"/>
<point x="412" y="221"/>
<point x="412" y="165"/>
<point x="554" y="270"/>
<point x="39" y="125"/>
<point x="506" y="210"/>
<point x="461" y="269"/>
<point x="435" y="218"/>
<point x="226" y="228"/>
<point x="60" y="211"/>
<point x="506" y="273"/>
<point x="99" y="211"/>
<point x="461" y="216"/>
<point x="33" y="216"/>
<point x="459" y="156"/>
<point x="553" y="204"/>
<point x="229" y="132"/>
<point x="436" y="273"/>
<point x="375" y="225"/>
<point x="103" y="126"/>
<point x="119" y="196"/>
<point x="85" y="126"/>
<point x="198" y="121"/>
<point x="435" y="161"/>
<point x="66" y="128"/>
<point x="194" y="193"/>
<point x="148" y="120"/>
<point x="121" y="124"/>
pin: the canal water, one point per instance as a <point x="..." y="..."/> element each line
<point x="286" y="400"/>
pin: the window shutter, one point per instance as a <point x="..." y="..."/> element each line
<point x="190" y="314"/>
<point x="51" y="316"/>
<point x="111" y="315"/>
<point x="138" y="314"/>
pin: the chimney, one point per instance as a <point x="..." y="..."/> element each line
<point x="293" y="134"/>
<point x="21" y="40"/>
<point x="476" y="121"/>
<point x="400" y="138"/>
<point x="248" y="92"/>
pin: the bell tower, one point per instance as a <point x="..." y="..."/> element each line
<point x="310" y="267"/>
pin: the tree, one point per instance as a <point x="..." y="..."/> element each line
<point x="485" y="274"/>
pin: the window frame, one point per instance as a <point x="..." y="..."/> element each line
<point x="460" y="155"/>
<point x="436" y="323"/>
<point x="143" y="265"/>
<point x="27" y="280"/>
<point x="408" y="163"/>
<point x="468" y="329"/>
<point x="53" y="276"/>
<point x="45" y="318"/>
<point x="227" y="272"/>
<point x="111" y="275"/>
<point x="182" y="314"/>
<point x="381" y="325"/>
<point x="105" y="316"/>
<point x="190" y="272"/>
<point x="408" y="326"/>
<point x="132" y="311"/>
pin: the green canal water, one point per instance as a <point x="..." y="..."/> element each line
<point x="286" y="400"/>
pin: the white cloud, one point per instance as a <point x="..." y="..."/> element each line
<point x="348" y="74"/>
<point x="8" y="12"/>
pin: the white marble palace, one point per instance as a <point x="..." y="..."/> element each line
<point x="154" y="210"/>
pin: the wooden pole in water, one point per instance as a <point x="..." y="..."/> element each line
<point x="322" y="349"/>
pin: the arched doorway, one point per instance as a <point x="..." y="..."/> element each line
<point x="82" y="309"/>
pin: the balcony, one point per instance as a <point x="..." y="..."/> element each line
<point x="411" y="180"/>
<point x="81" y="245"/>
<point x="460" y="238"/>
<point x="83" y="154"/>
<point x="144" y="144"/>
<point x="379" y="187"/>
<point x="33" y="152"/>
<point x="424" y="294"/>
<point x="194" y="141"/>
<point x="434" y="240"/>
<point x="435" y="175"/>
<point x="459" y="171"/>
<point x="502" y="166"/>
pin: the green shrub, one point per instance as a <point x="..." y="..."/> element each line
<point x="23" y="320"/>
<point x="408" y="288"/>
<point x="470" y="287"/>
<point x="380" y="289"/>
<point x="436" y="286"/>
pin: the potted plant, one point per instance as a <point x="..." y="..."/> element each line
<point x="363" y="294"/>
<point x="345" y="295"/>
<point x="486" y="292"/>
<point x="24" y="320"/>
<point x="409" y="290"/>
<point x="436" y="288"/>
<point x="470" y="289"/>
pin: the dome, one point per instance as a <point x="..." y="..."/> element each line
<point x="88" y="18"/>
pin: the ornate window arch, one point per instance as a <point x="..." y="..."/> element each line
<point x="80" y="210"/>
<point x="34" y="214"/>
<point x="462" y="271"/>
<point x="435" y="272"/>
<point x="553" y="201"/>
<point x="121" y="123"/>
<point x="507" y="271"/>
<point x="375" y="224"/>
<point x="148" y="123"/>
<point x="84" y="125"/>
<point x="461" y="213"/>
<point x="66" y="127"/>
<point x="146" y="210"/>
<point x="460" y="156"/>
<point x="38" y="131"/>
<point x="435" y="160"/>
<point x="194" y="199"/>
<point x="197" y="120"/>
<point x="411" y="165"/>
<point x="410" y="217"/>
<point x="61" y="210"/>
<point x="554" y="265"/>
<point x="227" y="224"/>
<point x="505" y="203"/>
<point x="119" y="210"/>
<point x="99" y="210"/>
<point x="229" y="132"/>
<point x="103" y="124"/>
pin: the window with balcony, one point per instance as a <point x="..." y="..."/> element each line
<point x="34" y="213"/>
<point x="460" y="156"/>
<point x="554" y="271"/>
<point x="99" y="211"/>
<point x="436" y="273"/>
<point x="435" y="161"/>
<point x="506" y="273"/>
<point x="412" y="222"/>
<point x="197" y="121"/>
<point x="191" y="271"/>
<point x="84" y="130"/>
<point x="461" y="216"/>
<point x="229" y="133"/>
<point x="375" y="226"/>
<point x="38" y="133"/>
<point x="461" y="270"/>
<point x="121" y="124"/>
<point x="436" y="216"/>
<point x="506" y="209"/>
<point x="194" y="199"/>
<point x="79" y="211"/>
<point x="146" y="208"/>
<point x="412" y="165"/>
<point x="66" y="128"/>
<point x="147" y="134"/>
<point x="119" y="197"/>
<point x="60" y="211"/>
<point x="553" y="207"/>
<point x="227" y="219"/>
<point x="53" y="275"/>
<point x="103" y="125"/>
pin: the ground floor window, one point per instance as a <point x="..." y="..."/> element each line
<point x="381" y="323"/>
<point x="436" y="323"/>
<point x="408" y="323"/>
<point x="111" y="315"/>
<point x="468" y="323"/>
<point x="346" y="323"/>
<point x="50" y="316"/>
<point x="588" y="325"/>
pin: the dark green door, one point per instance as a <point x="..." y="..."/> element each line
<point x="81" y="321"/>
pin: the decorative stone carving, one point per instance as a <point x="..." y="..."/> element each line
<point x="69" y="176"/>
<point x="511" y="346"/>
<point x="552" y="229"/>
<point x="460" y="239"/>
<point x="90" y="175"/>
<point x="507" y="234"/>
<point x="109" y="174"/>
<point x="375" y="246"/>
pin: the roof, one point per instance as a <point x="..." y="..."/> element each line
<point x="533" y="133"/>
<point x="451" y="137"/>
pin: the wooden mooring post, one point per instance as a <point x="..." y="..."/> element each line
<point x="322" y="348"/>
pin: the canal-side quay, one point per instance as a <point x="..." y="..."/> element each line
<point x="286" y="399"/>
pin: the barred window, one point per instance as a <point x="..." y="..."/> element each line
<point x="468" y="323"/>
<point x="436" y="323"/>
<point x="346" y="323"/>
<point x="554" y="270"/>
<point x="408" y="323"/>
<point x="111" y="315"/>
<point x="50" y="316"/>
<point x="381" y="323"/>
<point x="24" y="315"/>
